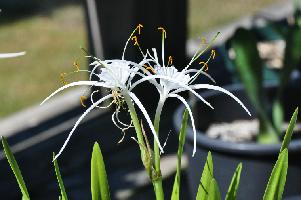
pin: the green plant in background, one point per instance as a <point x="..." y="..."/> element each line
<point x="249" y="67"/>
<point x="208" y="187"/>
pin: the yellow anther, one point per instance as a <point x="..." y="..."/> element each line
<point x="149" y="68"/>
<point x="163" y="32"/>
<point x="134" y="38"/>
<point x="76" y="65"/>
<point x="139" y="28"/>
<point x="204" y="65"/>
<point x="203" y="40"/>
<point x="62" y="77"/>
<point x="213" y="53"/>
<point x="169" y="60"/>
<point x="82" y="100"/>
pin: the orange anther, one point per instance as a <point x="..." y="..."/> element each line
<point x="213" y="53"/>
<point x="149" y="68"/>
<point x="204" y="65"/>
<point x="139" y="28"/>
<point x="169" y="60"/>
<point x="62" y="77"/>
<point x="82" y="99"/>
<point x="134" y="38"/>
<point x="163" y="32"/>
<point x="203" y="40"/>
<point x="76" y="65"/>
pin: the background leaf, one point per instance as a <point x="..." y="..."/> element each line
<point x="15" y="168"/>
<point x="59" y="179"/>
<point x="232" y="191"/>
<point x="248" y="64"/>
<point x="206" y="179"/>
<point x="99" y="182"/>
<point x="176" y="186"/>
<point x="250" y="70"/>
<point x="277" y="179"/>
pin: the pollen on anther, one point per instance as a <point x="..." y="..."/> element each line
<point x="170" y="60"/>
<point x="134" y="38"/>
<point x="139" y="28"/>
<point x="149" y="68"/>
<point x="62" y="77"/>
<point x="82" y="100"/>
<point x="163" y="31"/>
<point x="76" y="65"/>
<point x="204" y="65"/>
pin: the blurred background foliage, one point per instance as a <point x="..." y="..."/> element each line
<point x="51" y="32"/>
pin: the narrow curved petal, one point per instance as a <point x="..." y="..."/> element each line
<point x="202" y="72"/>
<point x="173" y="81"/>
<point x="217" y="88"/>
<point x="78" y="83"/>
<point x="79" y="120"/>
<point x="11" y="55"/>
<point x="141" y="107"/>
<point x="191" y="117"/>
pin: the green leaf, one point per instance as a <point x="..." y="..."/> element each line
<point x="289" y="131"/>
<point x="15" y="168"/>
<point x="213" y="193"/>
<point x="248" y="65"/>
<point x="59" y="179"/>
<point x="232" y="191"/>
<point x="292" y="55"/>
<point x="250" y="70"/>
<point x="206" y="179"/>
<point x="99" y="182"/>
<point x="277" y="179"/>
<point x="278" y="115"/>
<point x="176" y="186"/>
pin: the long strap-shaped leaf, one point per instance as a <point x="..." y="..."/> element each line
<point x="206" y="179"/>
<point x="59" y="179"/>
<point x="213" y="192"/>
<point x="14" y="166"/>
<point x="277" y="179"/>
<point x="289" y="131"/>
<point x="176" y="186"/>
<point x="232" y="191"/>
<point x="99" y="182"/>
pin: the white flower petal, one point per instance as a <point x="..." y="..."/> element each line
<point x="191" y="117"/>
<point x="78" y="83"/>
<point x="148" y="120"/>
<point x="212" y="87"/>
<point x="173" y="81"/>
<point x="11" y="55"/>
<point x="79" y="120"/>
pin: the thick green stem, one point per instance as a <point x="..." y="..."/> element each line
<point x="157" y="126"/>
<point x="157" y="182"/>
<point x="135" y="120"/>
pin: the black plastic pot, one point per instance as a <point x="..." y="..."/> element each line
<point x="257" y="159"/>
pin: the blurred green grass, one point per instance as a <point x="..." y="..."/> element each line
<point x="52" y="43"/>
<point x="204" y="15"/>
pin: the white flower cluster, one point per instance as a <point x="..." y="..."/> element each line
<point x="122" y="76"/>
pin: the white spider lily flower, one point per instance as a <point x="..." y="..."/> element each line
<point x="11" y="55"/>
<point x="172" y="82"/>
<point x="116" y="75"/>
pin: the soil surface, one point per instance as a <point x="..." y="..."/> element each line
<point x="242" y="130"/>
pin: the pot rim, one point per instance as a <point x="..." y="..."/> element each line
<point x="252" y="149"/>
